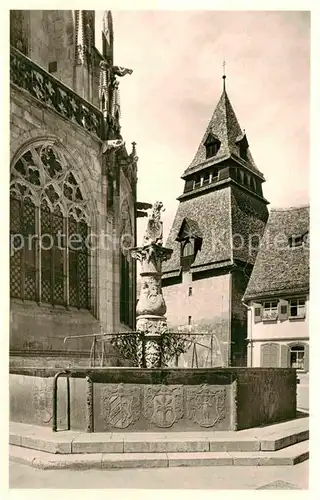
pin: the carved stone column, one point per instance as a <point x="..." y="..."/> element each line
<point x="151" y="307"/>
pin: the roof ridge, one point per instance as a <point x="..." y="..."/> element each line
<point x="289" y="208"/>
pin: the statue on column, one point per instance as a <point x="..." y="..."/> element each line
<point x="151" y="306"/>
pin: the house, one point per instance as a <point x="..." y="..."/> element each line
<point x="277" y="296"/>
<point x="70" y="176"/>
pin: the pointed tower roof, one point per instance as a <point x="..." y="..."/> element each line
<point x="224" y="127"/>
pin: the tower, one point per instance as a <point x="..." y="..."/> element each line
<point x="220" y="218"/>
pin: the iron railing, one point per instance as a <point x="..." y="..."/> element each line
<point x="97" y="350"/>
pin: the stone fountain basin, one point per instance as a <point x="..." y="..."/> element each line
<point x="169" y="399"/>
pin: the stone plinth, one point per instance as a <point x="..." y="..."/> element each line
<point x="166" y="399"/>
<point x="151" y="306"/>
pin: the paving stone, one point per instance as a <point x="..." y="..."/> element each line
<point x="83" y="462"/>
<point x="45" y="445"/>
<point x="15" y="439"/>
<point x="237" y="445"/>
<point x="134" y="460"/>
<point x="198" y="459"/>
<point x="279" y="485"/>
<point x="97" y="443"/>
<point x="165" y="446"/>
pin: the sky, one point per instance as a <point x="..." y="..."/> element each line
<point x="166" y="103"/>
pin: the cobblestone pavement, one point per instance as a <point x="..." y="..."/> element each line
<point x="290" y="477"/>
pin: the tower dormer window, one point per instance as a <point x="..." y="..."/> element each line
<point x="212" y="145"/>
<point x="190" y="240"/>
<point x="197" y="182"/>
<point x="206" y="178"/>
<point x="243" y="146"/>
<point x="243" y="151"/>
<point x="299" y="240"/>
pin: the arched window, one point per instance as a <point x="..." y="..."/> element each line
<point x="49" y="228"/>
<point x="126" y="267"/>
<point x="187" y="249"/>
<point x="187" y="255"/>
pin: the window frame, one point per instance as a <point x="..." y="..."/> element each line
<point x="272" y="310"/>
<point x="297" y="316"/>
<point x="298" y="348"/>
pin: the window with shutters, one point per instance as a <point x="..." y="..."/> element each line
<point x="270" y="310"/>
<point x="257" y="313"/>
<point x="297" y="308"/>
<point x="297" y="357"/>
<point x="49" y="227"/>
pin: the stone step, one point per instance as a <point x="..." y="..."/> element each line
<point x="269" y="438"/>
<point x="287" y="456"/>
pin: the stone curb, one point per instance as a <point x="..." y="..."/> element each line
<point x="94" y="443"/>
<point x="39" y="459"/>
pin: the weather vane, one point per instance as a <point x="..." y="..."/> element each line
<point x="224" y="74"/>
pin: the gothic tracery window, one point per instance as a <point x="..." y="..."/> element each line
<point x="48" y="226"/>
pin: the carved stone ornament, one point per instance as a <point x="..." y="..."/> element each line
<point x="43" y="86"/>
<point x="120" y="71"/>
<point x="163" y="405"/>
<point x="42" y="401"/>
<point x="206" y="405"/>
<point x="152" y="354"/>
<point x="121" y="405"/>
<point x="154" y="231"/>
<point x="154" y="254"/>
<point x="151" y="300"/>
<point x="151" y="325"/>
<point x="112" y="145"/>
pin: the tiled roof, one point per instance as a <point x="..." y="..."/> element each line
<point x="280" y="269"/>
<point x="192" y="227"/>
<point x="213" y="217"/>
<point x="217" y="215"/>
<point x="225" y="126"/>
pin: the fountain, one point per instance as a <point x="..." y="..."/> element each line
<point x="150" y="397"/>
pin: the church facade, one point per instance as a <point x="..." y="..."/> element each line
<point x="72" y="189"/>
<point x="221" y="215"/>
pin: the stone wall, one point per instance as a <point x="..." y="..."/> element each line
<point x="240" y="279"/>
<point x="265" y="396"/>
<point x="157" y="400"/>
<point x="209" y="309"/>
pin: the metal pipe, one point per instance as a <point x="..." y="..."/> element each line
<point x="89" y="400"/>
<point x="68" y="403"/>
<point x="55" y="400"/>
<point x="70" y="337"/>
<point x="249" y="322"/>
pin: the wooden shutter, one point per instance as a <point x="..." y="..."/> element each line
<point x="306" y="357"/>
<point x="284" y="356"/>
<point x="257" y="308"/>
<point x="270" y="355"/>
<point x="283" y="307"/>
